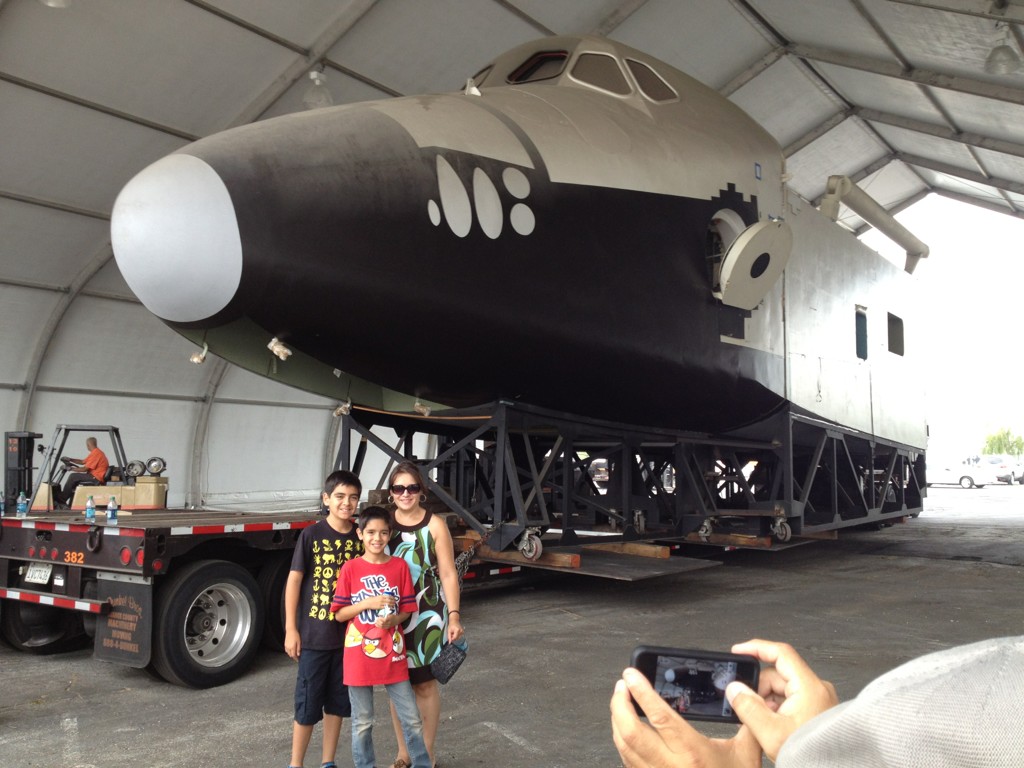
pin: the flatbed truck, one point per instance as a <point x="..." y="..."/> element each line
<point x="191" y="594"/>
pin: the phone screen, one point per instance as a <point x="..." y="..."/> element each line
<point x="693" y="682"/>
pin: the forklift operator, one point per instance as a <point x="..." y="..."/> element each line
<point x="95" y="466"/>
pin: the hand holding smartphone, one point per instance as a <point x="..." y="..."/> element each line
<point x="693" y="682"/>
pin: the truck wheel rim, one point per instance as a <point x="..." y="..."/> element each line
<point x="217" y="625"/>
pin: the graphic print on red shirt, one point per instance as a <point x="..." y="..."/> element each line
<point x="374" y="656"/>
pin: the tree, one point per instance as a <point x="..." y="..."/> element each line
<point x="1004" y="441"/>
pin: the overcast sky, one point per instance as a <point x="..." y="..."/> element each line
<point x="973" y="335"/>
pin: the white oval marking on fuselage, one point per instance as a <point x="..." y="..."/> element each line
<point x="522" y="219"/>
<point x="454" y="199"/>
<point x="488" y="204"/>
<point x="516" y="183"/>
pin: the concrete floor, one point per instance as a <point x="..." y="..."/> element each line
<point x="544" y="655"/>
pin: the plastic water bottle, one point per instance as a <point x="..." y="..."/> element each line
<point x="3" y="502"/>
<point x="22" y="506"/>
<point x="112" y="510"/>
<point x="90" y="510"/>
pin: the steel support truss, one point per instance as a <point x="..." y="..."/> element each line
<point x="516" y="473"/>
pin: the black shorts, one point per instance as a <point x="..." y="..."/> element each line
<point x="319" y="689"/>
<point x="420" y="674"/>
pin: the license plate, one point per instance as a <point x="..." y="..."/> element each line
<point x="38" y="573"/>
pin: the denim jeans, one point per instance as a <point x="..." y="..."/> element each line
<point x="404" y="699"/>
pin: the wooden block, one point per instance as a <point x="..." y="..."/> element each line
<point x="633" y="548"/>
<point x="733" y="540"/>
<point x="560" y="559"/>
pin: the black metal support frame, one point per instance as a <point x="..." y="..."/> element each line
<point x="516" y="470"/>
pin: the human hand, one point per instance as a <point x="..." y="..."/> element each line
<point x="789" y="694"/>
<point x="455" y="629"/>
<point x="292" y="643"/>
<point x="379" y="602"/>
<point x="668" y="741"/>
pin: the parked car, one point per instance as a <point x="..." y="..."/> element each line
<point x="973" y="472"/>
<point x="1007" y="469"/>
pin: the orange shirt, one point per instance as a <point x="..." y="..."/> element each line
<point x="96" y="462"/>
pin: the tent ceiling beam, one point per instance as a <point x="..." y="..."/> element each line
<point x="53" y="205"/>
<point x="1012" y="13"/>
<point x="941" y="132"/>
<point x="200" y="440"/>
<point x="916" y="75"/>
<point x="521" y="14"/>
<point x="817" y="132"/>
<point x="614" y="20"/>
<point x="87" y="104"/>
<point x="988" y="205"/>
<point x="952" y="170"/>
<point x="307" y="59"/>
<point x="46" y="334"/>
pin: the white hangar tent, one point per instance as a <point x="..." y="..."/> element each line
<point x="907" y="97"/>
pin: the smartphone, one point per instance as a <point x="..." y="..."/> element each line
<point x="693" y="682"/>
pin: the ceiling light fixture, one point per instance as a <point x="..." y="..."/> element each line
<point x="200" y="357"/>
<point x="1003" y="59"/>
<point x="56" y="3"/>
<point x="317" y="95"/>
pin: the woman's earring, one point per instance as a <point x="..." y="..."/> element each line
<point x="423" y="498"/>
<point x="391" y="498"/>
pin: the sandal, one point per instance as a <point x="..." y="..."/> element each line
<point x="400" y="763"/>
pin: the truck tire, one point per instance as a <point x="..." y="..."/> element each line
<point x="271" y="579"/>
<point x="41" y="629"/>
<point x="207" y="624"/>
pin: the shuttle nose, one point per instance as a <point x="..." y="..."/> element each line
<point x="176" y="240"/>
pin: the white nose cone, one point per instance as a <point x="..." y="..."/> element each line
<point x="176" y="239"/>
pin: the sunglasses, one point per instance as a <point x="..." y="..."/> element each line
<point x="398" y="490"/>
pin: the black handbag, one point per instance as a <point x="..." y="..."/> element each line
<point x="448" y="662"/>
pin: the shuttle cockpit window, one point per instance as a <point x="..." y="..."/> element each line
<point x="602" y="72"/>
<point x="540" y="66"/>
<point x="651" y="84"/>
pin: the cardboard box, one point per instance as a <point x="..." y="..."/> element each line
<point x="125" y="495"/>
<point x="43" y="500"/>
<point x="147" y="493"/>
<point x="150" y="492"/>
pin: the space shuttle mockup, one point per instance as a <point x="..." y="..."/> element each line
<point x="582" y="228"/>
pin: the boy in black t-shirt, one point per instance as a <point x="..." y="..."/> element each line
<point x="312" y="636"/>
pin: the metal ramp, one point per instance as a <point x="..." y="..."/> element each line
<point x="625" y="561"/>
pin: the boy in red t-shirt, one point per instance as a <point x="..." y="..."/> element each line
<point x="375" y="596"/>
